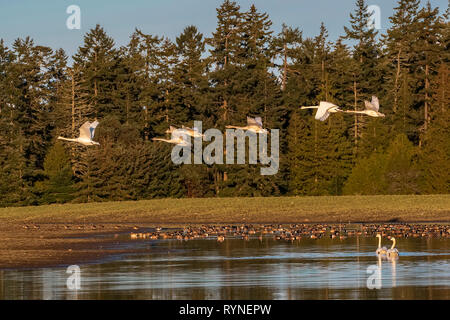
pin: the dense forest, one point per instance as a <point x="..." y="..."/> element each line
<point x="243" y="68"/>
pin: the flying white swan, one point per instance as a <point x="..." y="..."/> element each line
<point x="324" y="109"/>
<point x="192" y="132"/>
<point x="186" y="130"/>
<point x="371" y="108"/>
<point x="253" y="125"/>
<point x="381" y="251"/>
<point x="392" y="253"/>
<point x="87" y="132"/>
<point x="171" y="129"/>
<point x="178" y="141"/>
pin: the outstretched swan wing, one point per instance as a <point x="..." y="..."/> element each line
<point x="92" y="128"/>
<point x="259" y="121"/>
<point x="194" y="129"/>
<point x="324" y="117"/>
<point x="85" y="130"/>
<point x="254" y="122"/>
<point x="374" y="105"/>
<point x="322" y="113"/>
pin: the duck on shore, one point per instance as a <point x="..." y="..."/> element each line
<point x="298" y="231"/>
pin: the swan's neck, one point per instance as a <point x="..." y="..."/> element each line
<point x="379" y="242"/>
<point x="66" y="139"/>
<point x="236" y="127"/>
<point x="393" y="243"/>
<point x="310" y="107"/>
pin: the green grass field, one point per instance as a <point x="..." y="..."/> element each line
<point x="241" y="210"/>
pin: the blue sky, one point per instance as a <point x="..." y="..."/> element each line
<point x="45" y="20"/>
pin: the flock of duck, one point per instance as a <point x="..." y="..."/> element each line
<point x="296" y="232"/>
<point x="324" y="109"/>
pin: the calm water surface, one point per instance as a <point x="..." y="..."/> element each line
<point x="254" y="269"/>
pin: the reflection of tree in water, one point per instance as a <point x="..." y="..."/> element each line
<point x="255" y="269"/>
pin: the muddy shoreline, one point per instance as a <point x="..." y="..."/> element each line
<point x="56" y="245"/>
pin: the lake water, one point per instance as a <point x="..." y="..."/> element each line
<point x="254" y="269"/>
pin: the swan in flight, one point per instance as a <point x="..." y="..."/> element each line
<point x="87" y="132"/>
<point x="178" y="141"/>
<point x="324" y="109"/>
<point x="392" y="253"/>
<point x="381" y="251"/>
<point x="253" y="125"/>
<point x="171" y="129"/>
<point x="192" y="132"/>
<point x="186" y="130"/>
<point x="371" y="108"/>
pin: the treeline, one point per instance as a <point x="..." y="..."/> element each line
<point x="242" y="68"/>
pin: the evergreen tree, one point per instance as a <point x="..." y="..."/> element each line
<point x="29" y="84"/>
<point x="225" y="43"/>
<point x="287" y="41"/>
<point x="399" y="53"/>
<point x="138" y="90"/>
<point x="435" y="153"/>
<point x="57" y="169"/>
<point x="428" y="49"/>
<point x="144" y="50"/>
<point x="368" y="176"/>
<point x="191" y="76"/>
<point x="192" y="101"/>
<point x="14" y="189"/>
<point x="367" y="73"/>
<point x="97" y="61"/>
<point x="401" y="171"/>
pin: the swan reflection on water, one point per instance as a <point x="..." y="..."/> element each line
<point x="252" y="269"/>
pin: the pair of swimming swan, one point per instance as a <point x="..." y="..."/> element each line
<point x="391" y="253"/>
<point x="253" y="124"/>
<point x="324" y="109"/>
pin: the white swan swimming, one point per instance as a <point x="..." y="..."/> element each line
<point x="392" y="253"/>
<point x="381" y="251"/>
